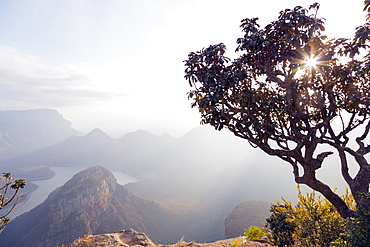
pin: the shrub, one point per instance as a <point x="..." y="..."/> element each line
<point x="280" y="229"/>
<point x="313" y="221"/>
<point x="254" y="232"/>
<point x="236" y="243"/>
<point x="357" y="232"/>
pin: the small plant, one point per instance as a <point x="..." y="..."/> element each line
<point x="254" y="232"/>
<point x="9" y="196"/>
<point x="236" y="243"/>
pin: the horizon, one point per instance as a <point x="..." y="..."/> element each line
<point x="117" y="65"/>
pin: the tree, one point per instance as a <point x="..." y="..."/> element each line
<point x="295" y="94"/>
<point x="9" y="196"/>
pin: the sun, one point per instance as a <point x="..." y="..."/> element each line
<point x="311" y="62"/>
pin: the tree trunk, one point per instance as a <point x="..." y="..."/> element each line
<point x="309" y="178"/>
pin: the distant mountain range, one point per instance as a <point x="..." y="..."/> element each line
<point x="207" y="170"/>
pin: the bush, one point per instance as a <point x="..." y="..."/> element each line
<point x="236" y="243"/>
<point x="280" y="229"/>
<point x="313" y="221"/>
<point x="254" y="232"/>
<point x="357" y="232"/>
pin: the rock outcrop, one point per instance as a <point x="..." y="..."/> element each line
<point x="125" y="238"/>
<point x="132" y="238"/>
<point x="244" y="215"/>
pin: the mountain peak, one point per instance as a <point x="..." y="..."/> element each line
<point x="97" y="133"/>
<point x="73" y="207"/>
<point x="91" y="180"/>
<point x="92" y="202"/>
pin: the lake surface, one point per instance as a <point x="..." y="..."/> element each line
<point x="62" y="175"/>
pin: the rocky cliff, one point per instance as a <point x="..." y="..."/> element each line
<point x="30" y="130"/>
<point x="90" y="203"/>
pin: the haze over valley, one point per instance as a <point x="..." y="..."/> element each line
<point x="95" y="116"/>
<point x="203" y="174"/>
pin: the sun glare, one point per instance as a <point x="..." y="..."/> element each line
<point x="311" y="62"/>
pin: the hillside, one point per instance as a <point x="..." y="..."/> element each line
<point x="92" y="202"/>
<point x="244" y="215"/>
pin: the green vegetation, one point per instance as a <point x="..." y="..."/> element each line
<point x="358" y="231"/>
<point x="236" y="243"/>
<point x="313" y="221"/>
<point x="254" y="232"/>
<point x="280" y="228"/>
<point x="9" y="196"/>
<point x="273" y="96"/>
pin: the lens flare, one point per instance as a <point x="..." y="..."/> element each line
<point x="311" y="62"/>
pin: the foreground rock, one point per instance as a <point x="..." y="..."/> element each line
<point x="130" y="237"/>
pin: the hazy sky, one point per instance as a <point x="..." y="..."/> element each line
<point x="117" y="64"/>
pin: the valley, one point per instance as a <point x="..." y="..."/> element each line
<point x="198" y="178"/>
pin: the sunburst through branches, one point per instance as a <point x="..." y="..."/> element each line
<point x="311" y="62"/>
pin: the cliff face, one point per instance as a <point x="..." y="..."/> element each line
<point x="90" y="203"/>
<point x="29" y="130"/>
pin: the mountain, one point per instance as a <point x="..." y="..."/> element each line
<point x="91" y="203"/>
<point x="133" y="152"/>
<point x="244" y="215"/>
<point x="196" y="179"/>
<point x="30" y="130"/>
<point x="206" y="169"/>
<point x="76" y="150"/>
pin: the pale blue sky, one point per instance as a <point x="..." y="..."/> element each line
<point x="117" y="64"/>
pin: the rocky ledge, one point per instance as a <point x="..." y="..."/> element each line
<point x="132" y="238"/>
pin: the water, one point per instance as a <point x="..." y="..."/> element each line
<point x="62" y="175"/>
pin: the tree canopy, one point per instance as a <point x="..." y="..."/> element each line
<point x="294" y="93"/>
